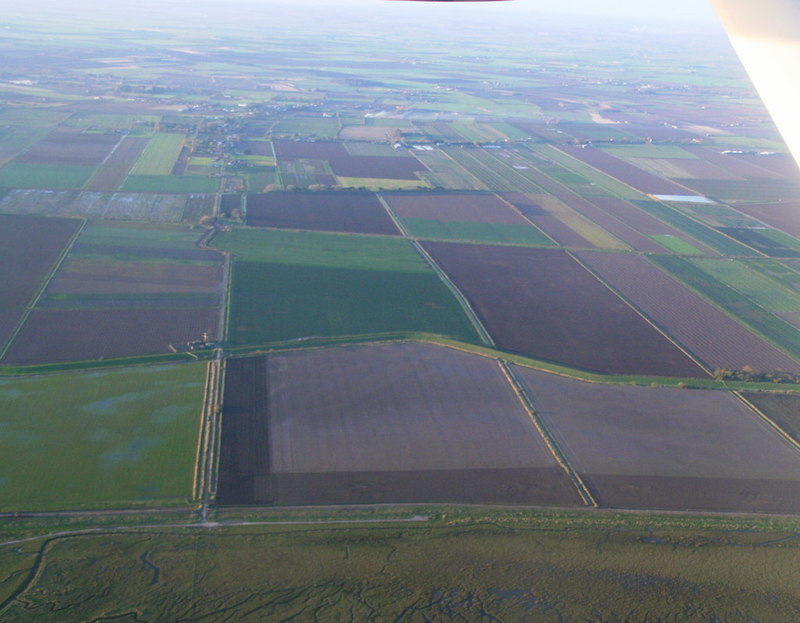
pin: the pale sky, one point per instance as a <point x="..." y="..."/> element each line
<point x="693" y="11"/>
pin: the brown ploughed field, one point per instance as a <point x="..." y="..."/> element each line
<point x="542" y="303"/>
<point x="29" y="246"/>
<point x="353" y="212"/>
<point x="55" y="336"/>
<point x="399" y="422"/>
<point x="667" y="448"/>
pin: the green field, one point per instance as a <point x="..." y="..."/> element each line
<point x="533" y="568"/>
<point x="50" y="176"/>
<point x="378" y="183"/>
<point x="615" y="187"/>
<point x="777" y="271"/>
<point x="322" y="249"/>
<point x="675" y="244"/>
<point x="289" y="285"/>
<point x="99" y="439"/>
<point x="698" y="231"/>
<point x="160" y="155"/>
<point x="501" y="233"/>
<point x="649" y="151"/>
<point x="322" y="127"/>
<point x="277" y="302"/>
<point x="776" y="330"/>
<point x="170" y="184"/>
<point x="164" y="236"/>
<point x="753" y="284"/>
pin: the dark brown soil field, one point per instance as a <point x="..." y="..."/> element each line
<point x="389" y="423"/>
<point x="110" y="175"/>
<point x="54" y="336"/>
<point x="540" y="486"/>
<point x="548" y="223"/>
<point x="29" y="246"/>
<point x="783" y="409"/>
<point x="741" y="168"/>
<point x="635" y="217"/>
<point x="609" y="221"/>
<point x="776" y="164"/>
<point x="109" y="276"/>
<point x="616" y="226"/>
<point x="354" y="212"/>
<point x="345" y="165"/>
<point x="703" y="169"/>
<point x="712" y="336"/>
<point x="244" y="466"/>
<point x="259" y="148"/>
<point x="625" y="172"/>
<point x="784" y="216"/>
<point x="656" y="132"/>
<point x="793" y="318"/>
<point x="542" y="303"/>
<point x="230" y="205"/>
<point x="317" y="150"/>
<point x="667" y="448"/>
<point x="696" y="494"/>
<point x="477" y="208"/>
<point x="73" y="148"/>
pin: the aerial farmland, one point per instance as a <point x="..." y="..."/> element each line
<point x="514" y="320"/>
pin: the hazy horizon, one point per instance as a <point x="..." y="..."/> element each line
<point x="693" y="12"/>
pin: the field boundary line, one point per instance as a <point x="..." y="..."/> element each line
<point x="393" y="216"/>
<point x="768" y="420"/>
<point x="641" y="313"/>
<point x="527" y="220"/>
<point x="42" y="287"/>
<point x="198" y="479"/>
<point x="549" y="440"/>
<point x="205" y="467"/>
<point x="462" y="300"/>
<point x="652" y="198"/>
<point x="520" y="360"/>
<point x="217" y="425"/>
<point x="106" y="159"/>
<point x="468" y="172"/>
<point x="739" y="319"/>
<point x="561" y="192"/>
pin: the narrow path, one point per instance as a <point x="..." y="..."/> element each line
<point x="45" y="282"/>
<point x="548" y="438"/>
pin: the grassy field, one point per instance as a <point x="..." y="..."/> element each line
<point x="502" y="233"/>
<point x="99" y="439"/>
<point x="776" y="330"/>
<point x="275" y="302"/>
<point x="52" y="176"/>
<point x="649" y="151"/>
<point x="615" y="187"/>
<point x="675" y="244"/>
<point x="170" y="184"/>
<point x="376" y="183"/>
<point x="288" y="285"/>
<point x="753" y="284"/>
<point x="322" y="249"/>
<point x="698" y="231"/>
<point x="549" y="567"/>
<point x="164" y="236"/>
<point x="779" y="272"/>
<point x="160" y="155"/>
